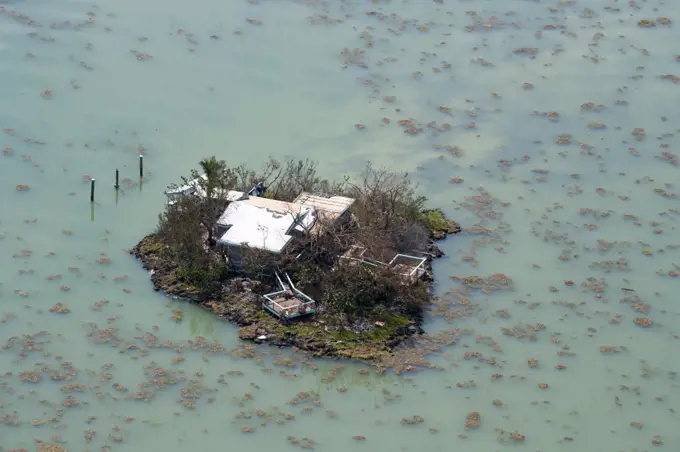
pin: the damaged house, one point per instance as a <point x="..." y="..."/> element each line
<point x="271" y="225"/>
<point x="253" y="221"/>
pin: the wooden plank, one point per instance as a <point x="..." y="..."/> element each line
<point x="335" y="204"/>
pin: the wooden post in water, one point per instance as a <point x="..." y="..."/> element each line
<point x="141" y="167"/>
<point x="92" y="199"/>
<point x="117" y="185"/>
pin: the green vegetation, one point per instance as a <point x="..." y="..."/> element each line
<point x="438" y="225"/>
<point x="433" y="219"/>
<point x="206" y="280"/>
<point x="361" y="308"/>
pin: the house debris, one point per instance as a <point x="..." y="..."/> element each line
<point x="253" y="221"/>
<point x="289" y="302"/>
<point x="271" y="225"/>
<point x="410" y="268"/>
<point x="195" y="187"/>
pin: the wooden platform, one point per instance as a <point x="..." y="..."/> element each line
<point x="285" y="303"/>
<point x="289" y="302"/>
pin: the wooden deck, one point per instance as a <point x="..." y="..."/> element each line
<point x="333" y="206"/>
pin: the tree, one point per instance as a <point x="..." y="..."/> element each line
<point x="218" y="179"/>
<point x="177" y="228"/>
<point x="388" y="211"/>
<point x="387" y="217"/>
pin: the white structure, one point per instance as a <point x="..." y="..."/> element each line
<point x="191" y="188"/>
<point x="270" y="225"/>
<point x="261" y="223"/>
<point x="410" y="268"/>
<point x="195" y="187"/>
<point x="256" y="222"/>
<point x="289" y="302"/>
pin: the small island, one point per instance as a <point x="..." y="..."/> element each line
<point x="337" y="269"/>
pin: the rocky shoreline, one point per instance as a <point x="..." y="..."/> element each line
<point x="239" y="303"/>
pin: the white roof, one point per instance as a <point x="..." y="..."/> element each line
<point x="266" y="223"/>
<point x="260" y="223"/>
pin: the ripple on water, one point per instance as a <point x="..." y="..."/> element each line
<point x="546" y="129"/>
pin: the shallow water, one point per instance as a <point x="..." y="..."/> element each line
<point x="284" y="88"/>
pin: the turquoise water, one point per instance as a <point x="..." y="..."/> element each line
<point x="178" y="82"/>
